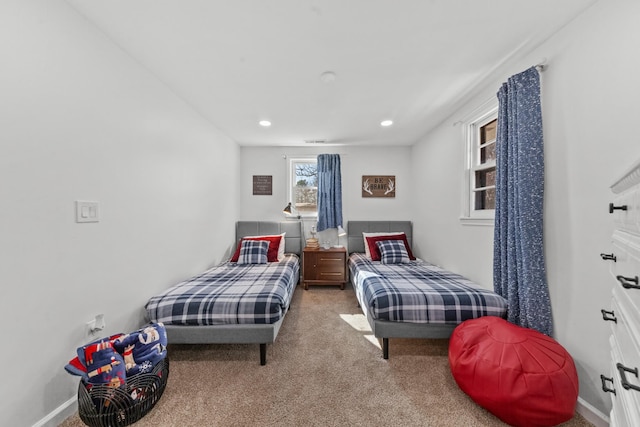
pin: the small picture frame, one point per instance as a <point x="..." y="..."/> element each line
<point x="262" y="185"/>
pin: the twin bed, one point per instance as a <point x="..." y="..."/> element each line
<point x="246" y="302"/>
<point x="234" y="303"/>
<point x="412" y="299"/>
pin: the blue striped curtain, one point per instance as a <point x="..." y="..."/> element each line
<point x="329" y="191"/>
<point x="519" y="271"/>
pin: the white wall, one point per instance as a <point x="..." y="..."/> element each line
<point x="355" y="162"/>
<point x="438" y="171"/>
<point x="590" y="108"/>
<point x="80" y="120"/>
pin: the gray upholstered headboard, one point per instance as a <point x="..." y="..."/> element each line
<point x="356" y="228"/>
<point x="293" y="240"/>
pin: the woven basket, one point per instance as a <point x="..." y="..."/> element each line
<point x="102" y="406"/>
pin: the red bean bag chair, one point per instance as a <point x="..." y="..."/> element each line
<point x="520" y="375"/>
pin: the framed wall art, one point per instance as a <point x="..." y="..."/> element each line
<point x="262" y="185"/>
<point x="378" y="186"/>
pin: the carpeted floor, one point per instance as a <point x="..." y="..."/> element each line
<point x="325" y="369"/>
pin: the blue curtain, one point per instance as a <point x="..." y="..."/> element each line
<point x="518" y="265"/>
<point x="329" y="191"/>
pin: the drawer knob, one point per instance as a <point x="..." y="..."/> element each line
<point x="604" y="384"/>
<point x="612" y="208"/>
<point x="609" y="315"/>
<point x="628" y="282"/>
<point x="606" y="257"/>
<point x="623" y="377"/>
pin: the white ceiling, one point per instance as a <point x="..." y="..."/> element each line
<point x="412" y="61"/>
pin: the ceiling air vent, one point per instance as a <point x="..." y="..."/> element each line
<point x="315" y="141"/>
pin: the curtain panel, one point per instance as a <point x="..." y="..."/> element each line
<point x="329" y="191"/>
<point x="519" y="264"/>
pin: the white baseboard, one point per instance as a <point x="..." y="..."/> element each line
<point x="591" y="414"/>
<point x="61" y="413"/>
<point x="68" y="408"/>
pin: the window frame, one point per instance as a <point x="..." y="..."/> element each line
<point x="291" y="176"/>
<point x="472" y="127"/>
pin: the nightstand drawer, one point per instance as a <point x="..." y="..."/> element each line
<point x="329" y="262"/>
<point x="329" y="274"/>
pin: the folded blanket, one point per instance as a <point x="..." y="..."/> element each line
<point x="105" y="365"/>
<point x="78" y="365"/>
<point x="143" y="349"/>
<point x="110" y="360"/>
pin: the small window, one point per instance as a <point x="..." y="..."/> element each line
<point x="481" y="168"/>
<point x="303" y="186"/>
<point x="484" y="183"/>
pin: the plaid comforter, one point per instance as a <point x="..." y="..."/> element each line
<point x="419" y="292"/>
<point x="229" y="294"/>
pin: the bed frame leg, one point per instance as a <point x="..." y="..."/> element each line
<point x="263" y="354"/>
<point x="385" y="348"/>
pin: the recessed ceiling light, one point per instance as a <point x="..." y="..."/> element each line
<point x="265" y="123"/>
<point x="328" y="76"/>
<point x="386" y="123"/>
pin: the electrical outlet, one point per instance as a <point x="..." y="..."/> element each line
<point x="91" y="326"/>
<point x="96" y="324"/>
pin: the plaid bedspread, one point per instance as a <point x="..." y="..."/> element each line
<point x="229" y="294"/>
<point x="419" y="292"/>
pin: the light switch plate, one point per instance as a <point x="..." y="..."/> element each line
<point x="87" y="211"/>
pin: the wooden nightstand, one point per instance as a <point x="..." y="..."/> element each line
<point x="324" y="267"/>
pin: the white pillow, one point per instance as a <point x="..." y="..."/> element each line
<point x="280" y="248"/>
<point x="366" y="244"/>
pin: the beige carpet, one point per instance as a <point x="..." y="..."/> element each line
<point x="325" y="369"/>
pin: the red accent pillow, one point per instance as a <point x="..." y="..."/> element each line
<point x="272" y="252"/>
<point x="522" y="376"/>
<point x="375" y="252"/>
